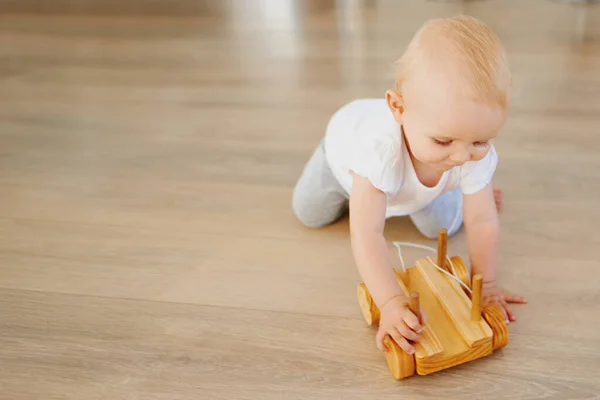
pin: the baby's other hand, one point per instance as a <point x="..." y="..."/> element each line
<point x="491" y="293"/>
<point x="400" y="323"/>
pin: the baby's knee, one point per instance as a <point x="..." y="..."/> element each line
<point x="429" y="221"/>
<point x="304" y="212"/>
<point x="455" y="228"/>
<point x="305" y="219"/>
<point x="428" y="231"/>
<point x="308" y="220"/>
<point x="318" y="211"/>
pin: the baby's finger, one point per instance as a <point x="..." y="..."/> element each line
<point x="515" y="299"/>
<point x="402" y="342"/>
<point x="413" y="322"/>
<point x="509" y="314"/>
<point x="407" y="332"/>
<point x="506" y="310"/>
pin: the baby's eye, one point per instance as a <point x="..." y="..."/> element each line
<point x="442" y="142"/>
<point x="480" y="144"/>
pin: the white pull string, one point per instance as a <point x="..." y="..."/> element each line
<point x="420" y="246"/>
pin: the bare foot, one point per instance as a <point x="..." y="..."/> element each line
<point x="498" y="198"/>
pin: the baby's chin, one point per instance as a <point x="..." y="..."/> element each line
<point x="436" y="165"/>
<point x="439" y="166"/>
<point x="444" y="168"/>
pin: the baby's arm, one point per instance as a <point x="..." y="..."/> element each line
<point x="482" y="228"/>
<point x="367" y="220"/>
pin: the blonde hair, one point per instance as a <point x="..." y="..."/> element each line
<point x="485" y="74"/>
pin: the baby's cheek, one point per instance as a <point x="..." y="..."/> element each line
<point x="424" y="150"/>
<point x="435" y="154"/>
<point x="479" y="155"/>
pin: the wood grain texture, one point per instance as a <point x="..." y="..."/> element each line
<point x="148" y="151"/>
<point x="429" y="345"/>
<point x="367" y="305"/>
<point x="476" y="297"/>
<point x="497" y="321"/>
<point x="452" y="300"/>
<point x="442" y="250"/>
<point x="460" y="337"/>
<point x="460" y="270"/>
<point x="400" y="363"/>
<point x="415" y="306"/>
<point x="455" y="338"/>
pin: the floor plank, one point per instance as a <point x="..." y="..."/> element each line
<point x="95" y="347"/>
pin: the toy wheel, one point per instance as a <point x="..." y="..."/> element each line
<point x="368" y="307"/>
<point x="462" y="272"/>
<point x="495" y="318"/>
<point x="400" y="363"/>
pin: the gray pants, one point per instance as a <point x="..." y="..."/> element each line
<point x="319" y="200"/>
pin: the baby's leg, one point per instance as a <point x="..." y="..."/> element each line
<point x="318" y="199"/>
<point x="443" y="212"/>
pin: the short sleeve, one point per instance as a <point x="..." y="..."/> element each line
<point x="476" y="175"/>
<point x="379" y="160"/>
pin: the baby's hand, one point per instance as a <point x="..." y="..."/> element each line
<point x="400" y="323"/>
<point x="493" y="294"/>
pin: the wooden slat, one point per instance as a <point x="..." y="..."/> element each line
<point x="456" y="304"/>
<point x="429" y="345"/>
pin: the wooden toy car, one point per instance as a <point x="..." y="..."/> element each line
<point x="457" y="329"/>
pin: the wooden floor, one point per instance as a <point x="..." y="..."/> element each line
<point x="148" y="152"/>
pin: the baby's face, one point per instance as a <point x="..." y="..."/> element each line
<point x="445" y="134"/>
<point x="443" y="127"/>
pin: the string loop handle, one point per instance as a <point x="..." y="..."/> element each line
<point x="454" y="275"/>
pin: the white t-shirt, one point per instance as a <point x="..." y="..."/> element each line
<point x="363" y="137"/>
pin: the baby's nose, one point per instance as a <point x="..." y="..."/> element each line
<point x="460" y="157"/>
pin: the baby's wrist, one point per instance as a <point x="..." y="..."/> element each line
<point x="397" y="297"/>
<point x="488" y="275"/>
<point x="489" y="283"/>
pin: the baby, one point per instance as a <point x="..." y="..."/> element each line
<point x="425" y="151"/>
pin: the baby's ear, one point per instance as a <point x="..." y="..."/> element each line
<point x="396" y="104"/>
